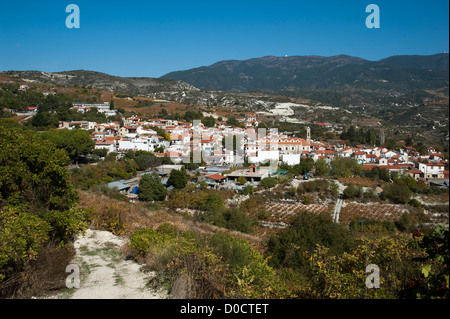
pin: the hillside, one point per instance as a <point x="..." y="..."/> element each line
<point x="392" y="76"/>
<point x="97" y="80"/>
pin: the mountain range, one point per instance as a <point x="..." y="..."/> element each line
<point x="340" y="80"/>
<point x="397" y="73"/>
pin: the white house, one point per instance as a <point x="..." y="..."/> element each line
<point x="432" y="170"/>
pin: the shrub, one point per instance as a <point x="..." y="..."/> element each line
<point x="141" y="240"/>
<point x="263" y="215"/>
<point x="212" y="203"/>
<point x="231" y="218"/>
<point x="242" y="180"/>
<point x="268" y="182"/>
<point x="249" y="189"/>
<point x="404" y="223"/>
<point x="237" y="220"/>
<point x="168" y="229"/>
<point x="178" y="178"/>
<point x="352" y="192"/>
<point x="22" y="237"/>
<point x="66" y="224"/>
<point x="398" y="193"/>
<point x="238" y="254"/>
<point x="303" y="234"/>
<point x="415" y="203"/>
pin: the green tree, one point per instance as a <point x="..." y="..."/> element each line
<point x="151" y="188"/>
<point x="232" y="121"/>
<point x="76" y="142"/>
<point x="322" y="167"/>
<point x="352" y="191"/>
<point x="398" y="193"/>
<point x="178" y="178"/>
<point x="32" y="170"/>
<point x="268" y="182"/>
<point x="242" y="180"/>
<point x="208" y="121"/>
<point x="345" y="167"/>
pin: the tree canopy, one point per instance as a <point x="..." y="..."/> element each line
<point x="151" y="188"/>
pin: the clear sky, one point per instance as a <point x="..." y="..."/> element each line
<point x="151" y="38"/>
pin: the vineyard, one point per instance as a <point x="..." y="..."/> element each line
<point x="373" y="211"/>
<point x="284" y="212"/>
<point x="441" y="198"/>
<point x="361" y="181"/>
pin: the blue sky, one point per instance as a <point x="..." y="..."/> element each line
<point x="151" y="38"/>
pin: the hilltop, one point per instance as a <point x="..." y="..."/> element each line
<point x="98" y="80"/>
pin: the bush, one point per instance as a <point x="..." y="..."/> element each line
<point x="249" y="189"/>
<point x="415" y="203"/>
<point x="238" y="254"/>
<point x="22" y="237"/>
<point x="242" y="180"/>
<point x="352" y="192"/>
<point x="268" y="182"/>
<point x="404" y="223"/>
<point x="303" y="234"/>
<point x="178" y="178"/>
<point x="237" y="220"/>
<point x="263" y="215"/>
<point x="66" y="224"/>
<point x="371" y="226"/>
<point x="212" y="203"/>
<point x="141" y="240"/>
<point x="231" y="218"/>
<point x="397" y="192"/>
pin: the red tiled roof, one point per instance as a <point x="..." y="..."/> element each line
<point x="216" y="177"/>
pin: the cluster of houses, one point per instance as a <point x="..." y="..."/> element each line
<point x="222" y="147"/>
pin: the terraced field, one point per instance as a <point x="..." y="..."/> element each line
<point x="361" y="181"/>
<point x="284" y="212"/>
<point x="373" y="211"/>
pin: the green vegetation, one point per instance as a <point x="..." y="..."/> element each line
<point x="231" y="218"/>
<point x="361" y="136"/>
<point x="178" y="178"/>
<point x="352" y="191"/>
<point x="76" y="142"/>
<point x="209" y="266"/>
<point x="106" y="171"/>
<point x="345" y="167"/>
<point x="268" y="182"/>
<point x="37" y="206"/>
<point x="397" y="192"/>
<point x="151" y="188"/>
<point x="303" y="234"/>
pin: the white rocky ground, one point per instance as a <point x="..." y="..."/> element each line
<point x="104" y="274"/>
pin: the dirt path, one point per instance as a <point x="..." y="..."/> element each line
<point x="104" y="274"/>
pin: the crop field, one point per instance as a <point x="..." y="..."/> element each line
<point x="361" y="181"/>
<point x="434" y="198"/>
<point x="373" y="211"/>
<point x="284" y="212"/>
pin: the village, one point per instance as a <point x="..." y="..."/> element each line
<point x="224" y="148"/>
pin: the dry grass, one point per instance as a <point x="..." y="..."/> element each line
<point x="43" y="276"/>
<point x="132" y="217"/>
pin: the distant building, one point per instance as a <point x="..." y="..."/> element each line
<point x="252" y="174"/>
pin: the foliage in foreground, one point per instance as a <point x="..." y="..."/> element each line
<point x="37" y="205"/>
<point x="220" y="266"/>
